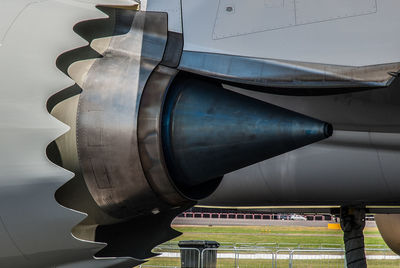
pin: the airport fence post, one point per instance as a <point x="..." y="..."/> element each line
<point x="273" y="257"/>
<point x="236" y="263"/>
<point x="291" y="259"/>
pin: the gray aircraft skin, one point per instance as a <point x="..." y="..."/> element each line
<point x="117" y="116"/>
<point x="362" y="151"/>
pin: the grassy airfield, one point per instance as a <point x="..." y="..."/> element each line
<point x="273" y="234"/>
<point x="283" y="236"/>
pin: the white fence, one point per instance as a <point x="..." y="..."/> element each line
<point x="258" y="257"/>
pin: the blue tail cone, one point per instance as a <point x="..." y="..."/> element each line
<point x="209" y="131"/>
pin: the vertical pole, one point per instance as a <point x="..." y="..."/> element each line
<point x="236" y="260"/>
<point x="201" y="262"/>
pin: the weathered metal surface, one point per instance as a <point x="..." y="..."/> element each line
<point x="284" y="73"/>
<point x="108" y="114"/>
<point x="173" y="50"/>
<point x="149" y="135"/>
<point x="209" y="131"/>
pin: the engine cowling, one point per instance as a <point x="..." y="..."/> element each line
<point x="147" y="142"/>
<point x="389" y="227"/>
<point x="188" y="133"/>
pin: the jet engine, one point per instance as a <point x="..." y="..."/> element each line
<point x="147" y="141"/>
<point x="173" y="107"/>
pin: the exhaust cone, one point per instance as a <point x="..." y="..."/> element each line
<point x="209" y="131"/>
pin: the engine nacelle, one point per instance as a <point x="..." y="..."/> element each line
<point x="389" y="227"/>
<point x="187" y="134"/>
<point x="146" y="140"/>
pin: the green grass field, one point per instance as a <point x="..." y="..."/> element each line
<point x="285" y="236"/>
<point x="221" y="263"/>
<point x="272" y="234"/>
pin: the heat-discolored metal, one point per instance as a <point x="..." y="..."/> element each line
<point x="286" y="74"/>
<point x="150" y="136"/>
<point x="107" y="118"/>
<point x="209" y="131"/>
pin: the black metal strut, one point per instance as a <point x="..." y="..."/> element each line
<point x="352" y="222"/>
